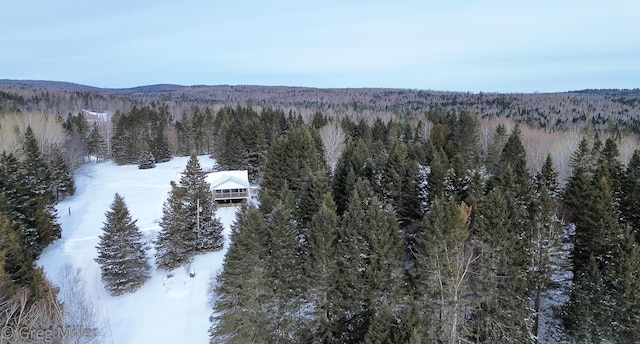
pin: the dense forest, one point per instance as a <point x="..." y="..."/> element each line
<point x="385" y="216"/>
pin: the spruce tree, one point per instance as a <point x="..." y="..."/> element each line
<point x="146" y="160"/>
<point x="500" y="281"/>
<point x="284" y="275"/>
<point x="321" y="270"/>
<point x="188" y="223"/>
<point x="626" y="289"/>
<point x="200" y="208"/>
<point x="254" y="146"/>
<point x="17" y="262"/>
<point x="444" y="264"/>
<point x="545" y="249"/>
<point x="238" y="312"/>
<point x="575" y="192"/>
<point x="368" y="254"/>
<point x="291" y="159"/>
<point x="495" y="149"/>
<point x="121" y="254"/>
<point x="594" y="265"/>
<point x="630" y="198"/>
<point x="548" y="177"/>
<point x="437" y="175"/>
<point x="174" y="244"/>
<point x="26" y="204"/>
<point x="97" y="146"/>
<point x="352" y="164"/>
<point x="311" y="197"/>
<point x="399" y="184"/>
<point x="62" y="178"/>
<point x="36" y="170"/>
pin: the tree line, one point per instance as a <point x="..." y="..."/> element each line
<point x="418" y="237"/>
<point x="31" y="184"/>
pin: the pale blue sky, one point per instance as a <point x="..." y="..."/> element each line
<point x="503" y="46"/>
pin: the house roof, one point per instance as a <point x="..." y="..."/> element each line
<point x="228" y="180"/>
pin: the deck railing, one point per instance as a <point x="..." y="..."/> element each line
<point x="229" y="195"/>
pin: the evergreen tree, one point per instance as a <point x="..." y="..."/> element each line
<point x="437" y="175"/>
<point x="630" y="198"/>
<point x="608" y="165"/>
<point x="368" y="254"/>
<point x="97" y="145"/>
<point x="575" y="192"/>
<point x="626" y="289"/>
<point x="188" y="223"/>
<point x="201" y="207"/>
<point x="146" y="160"/>
<point x="320" y="272"/>
<point x="27" y="207"/>
<point x="353" y="163"/>
<point x="174" y="245"/>
<point x="137" y="129"/>
<point x="292" y="158"/>
<point x="62" y="179"/>
<point x="312" y="197"/>
<point x="594" y="265"/>
<point x="500" y="281"/>
<point x="238" y="312"/>
<point x="121" y="255"/>
<point x="400" y="184"/>
<point x="228" y="149"/>
<point x="16" y="260"/>
<point x="548" y="177"/>
<point x="514" y="156"/>
<point x="444" y="263"/>
<point x="284" y="275"/>
<point x="35" y="169"/>
<point x="495" y="149"/>
<point x="254" y="147"/>
<point x="546" y="235"/>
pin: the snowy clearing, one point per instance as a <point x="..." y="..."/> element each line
<point x="164" y="310"/>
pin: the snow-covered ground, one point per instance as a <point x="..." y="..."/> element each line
<point x="164" y="310"/>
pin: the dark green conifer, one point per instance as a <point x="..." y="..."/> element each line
<point x="368" y="255"/>
<point x="352" y="164"/>
<point x="321" y="271"/>
<point x="174" y="244"/>
<point x="121" y="255"/>
<point x="241" y="290"/>
<point x="200" y="208"/>
<point x="62" y="179"/>
<point x="500" y="278"/>
<point x="630" y="198"/>
<point x="97" y="146"/>
<point x="444" y="261"/>
<point x="146" y="160"/>
<point x="284" y="275"/>
<point x="548" y="177"/>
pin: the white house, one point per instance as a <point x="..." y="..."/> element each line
<point x="230" y="187"/>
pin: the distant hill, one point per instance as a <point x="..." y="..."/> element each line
<point x="602" y="109"/>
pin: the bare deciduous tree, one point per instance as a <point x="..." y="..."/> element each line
<point x="46" y="128"/>
<point x="333" y="139"/>
<point x="79" y="313"/>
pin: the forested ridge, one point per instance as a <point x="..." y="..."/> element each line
<point x="472" y="218"/>
<point x="603" y="109"/>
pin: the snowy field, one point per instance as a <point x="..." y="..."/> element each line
<point x="164" y="310"/>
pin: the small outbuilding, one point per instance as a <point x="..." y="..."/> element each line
<point x="230" y="188"/>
